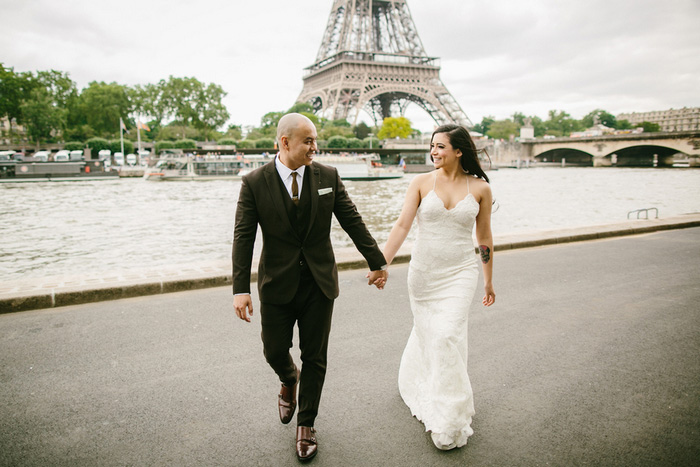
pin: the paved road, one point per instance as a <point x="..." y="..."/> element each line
<point x="591" y="356"/>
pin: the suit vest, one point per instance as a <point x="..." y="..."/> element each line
<point x="298" y="214"/>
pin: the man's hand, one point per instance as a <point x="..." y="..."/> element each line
<point x="244" y="306"/>
<point x="377" y="278"/>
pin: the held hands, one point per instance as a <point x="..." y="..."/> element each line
<point x="244" y="306"/>
<point x="377" y="278"/>
<point x="490" y="296"/>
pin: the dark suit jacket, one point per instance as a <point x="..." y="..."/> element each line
<point x="260" y="203"/>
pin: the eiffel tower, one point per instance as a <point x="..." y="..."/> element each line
<point x="372" y="59"/>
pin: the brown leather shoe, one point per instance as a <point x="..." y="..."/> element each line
<point x="306" y="443"/>
<point x="287" y="401"/>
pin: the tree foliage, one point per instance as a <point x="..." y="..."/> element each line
<point x="103" y="104"/>
<point x="394" y="127"/>
<point x="503" y="129"/>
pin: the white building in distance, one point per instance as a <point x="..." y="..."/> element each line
<point x="685" y="119"/>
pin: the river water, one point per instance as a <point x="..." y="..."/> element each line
<point x="94" y="228"/>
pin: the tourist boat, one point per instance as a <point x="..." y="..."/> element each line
<point x="229" y="167"/>
<point x="360" y="166"/>
<point x="37" y="170"/>
<point x="173" y="166"/>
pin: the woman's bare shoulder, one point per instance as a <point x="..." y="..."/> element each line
<point x="479" y="187"/>
<point x="423" y="182"/>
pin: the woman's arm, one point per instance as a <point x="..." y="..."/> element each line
<point x="485" y="240"/>
<point x="403" y="223"/>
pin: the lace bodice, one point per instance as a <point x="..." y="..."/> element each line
<point x="445" y="235"/>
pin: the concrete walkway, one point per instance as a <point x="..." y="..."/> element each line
<point x="32" y="294"/>
<point x="590" y="356"/>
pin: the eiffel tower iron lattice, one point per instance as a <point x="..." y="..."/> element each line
<point x="372" y="59"/>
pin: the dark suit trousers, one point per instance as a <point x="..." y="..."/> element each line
<point x="312" y="311"/>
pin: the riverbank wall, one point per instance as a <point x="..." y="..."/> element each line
<point x="32" y="294"/>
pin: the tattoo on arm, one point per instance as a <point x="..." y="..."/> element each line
<point x="485" y="253"/>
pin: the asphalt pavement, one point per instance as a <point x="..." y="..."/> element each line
<point x="590" y="356"/>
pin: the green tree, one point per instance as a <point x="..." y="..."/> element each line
<point x="560" y="123"/>
<point x="270" y="120"/>
<point x="503" y="129"/>
<point x="234" y="132"/>
<point x="41" y="116"/>
<point x="393" y="127"/>
<point x="485" y="125"/>
<point x="44" y="109"/>
<point x="149" y="100"/>
<point x="301" y="107"/>
<point x="14" y="89"/>
<point x="361" y="130"/>
<point x="623" y="125"/>
<point x="192" y="103"/>
<point x="650" y="127"/>
<point x="599" y="116"/>
<point x="211" y="111"/>
<point x="104" y="104"/>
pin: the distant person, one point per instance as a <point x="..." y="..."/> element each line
<point x="442" y="279"/>
<point x="293" y="200"/>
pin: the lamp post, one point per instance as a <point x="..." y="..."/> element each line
<point x="370" y="139"/>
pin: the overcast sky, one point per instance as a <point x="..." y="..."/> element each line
<point x="497" y="56"/>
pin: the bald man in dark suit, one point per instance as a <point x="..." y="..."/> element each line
<point x="293" y="200"/>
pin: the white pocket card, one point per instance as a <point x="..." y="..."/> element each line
<point x="324" y="191"/>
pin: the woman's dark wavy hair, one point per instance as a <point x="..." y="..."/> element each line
<point x="460" y="139"/>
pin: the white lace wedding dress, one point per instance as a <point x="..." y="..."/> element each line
<point x="442" y="278"/>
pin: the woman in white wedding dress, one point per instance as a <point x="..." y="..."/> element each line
<point x="442" y="279"/>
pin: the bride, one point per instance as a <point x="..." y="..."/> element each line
<point x="442" y="279"/>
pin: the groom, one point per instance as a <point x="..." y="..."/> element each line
<point x="293" y="200"/>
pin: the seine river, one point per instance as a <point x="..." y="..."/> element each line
<point x="92" y="228"/>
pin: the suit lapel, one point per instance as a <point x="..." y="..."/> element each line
<point x="275" y="190"/>
<point x="314" y="183"/>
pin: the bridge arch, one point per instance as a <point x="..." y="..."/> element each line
<point x="571" y="156"/>
<point x="644" y="155"/>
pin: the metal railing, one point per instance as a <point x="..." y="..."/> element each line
<point x="644" y="211"/>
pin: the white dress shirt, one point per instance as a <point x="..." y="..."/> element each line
<point x="285" y="174"/>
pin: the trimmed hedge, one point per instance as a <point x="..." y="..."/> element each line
<point x="265" y="143"/>
<point x="185" y="144"/>
<point x="337" y="142"/>
<point x="116" y="146"/>
<point x="247" y="143"/>
<point x="97" y="144"/>
<point x="160" y="145"/>
<point x="227" y="142"/>
<point x="74" y="146"/>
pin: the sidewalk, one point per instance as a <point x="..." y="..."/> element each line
<point x="588" y="357"/>
<point x="61" y="291"/>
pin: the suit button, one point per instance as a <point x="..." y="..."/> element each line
<point x="301" y="263"/>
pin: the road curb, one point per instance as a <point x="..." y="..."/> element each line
<point x="57" y="297"/>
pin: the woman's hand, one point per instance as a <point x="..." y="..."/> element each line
<point x="490" y="296"/>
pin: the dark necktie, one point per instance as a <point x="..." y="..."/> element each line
<point x="295" y="188"/>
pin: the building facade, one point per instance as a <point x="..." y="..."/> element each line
<point x="685" y="119"/>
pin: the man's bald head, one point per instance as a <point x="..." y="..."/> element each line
<point x="290" y="122"/>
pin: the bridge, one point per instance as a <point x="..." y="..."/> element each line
<point x="626" y="150"/>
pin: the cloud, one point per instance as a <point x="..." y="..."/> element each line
<point x="497" y="56"/>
